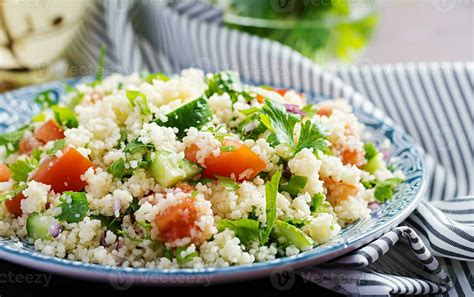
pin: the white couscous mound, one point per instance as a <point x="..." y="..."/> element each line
<point x="186" y="171"/>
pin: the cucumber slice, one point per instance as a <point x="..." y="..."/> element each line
<point x="39" y="226"/>
<point x="292" y="235"/>
<point x="195" y="113"/>
<point x="374" y="164"/>
<point x="168" y="170"/>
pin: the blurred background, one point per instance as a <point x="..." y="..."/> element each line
<point x="34" y="33"/>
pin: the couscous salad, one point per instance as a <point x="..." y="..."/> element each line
<point x="194" y="170"/>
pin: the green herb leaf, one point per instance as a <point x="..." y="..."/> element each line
<point x="47" y="98"/>
<point x="182" y="260"/>
<point x="298" y="223"/>
<point x="65" y="117"/>
<point x="229" y="148"/>
<point x="57" y="146"/>
<point x="319" y="203"/>
<point x="21" y="168"/>
<point x="311" y="137"/>
<point x="246" y="230"/>
<point x="370" y="151"/>
<point x="117" y="169"/>
<point x="9" y="195"/>
<point x="74" y="207"/>
<point x="384" y="189"/>
<point x="249" y="111"/>
<point x="137" y="98"/>
<point x="111" y="223"/>
<point x="11" y="141"/>
<point x="158" y="76"/>
<point x="136" y="146"/>
<point x="228" y="183"/>
<point x="310" y="110"/>
<point x="295" y="185"/>
<point x="74" y="101"/>
<point x="280" y="122"/>
<point x="36" y="154"/>
<point x="271" y="192"/>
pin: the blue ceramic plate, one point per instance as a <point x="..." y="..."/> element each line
<point x="18" y="107"/>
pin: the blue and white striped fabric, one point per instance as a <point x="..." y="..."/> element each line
<point x="433" y="251"/>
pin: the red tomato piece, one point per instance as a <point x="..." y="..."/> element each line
<point x="28" y="144"/>
<point x="4" y="173"/>
<point x="190" y="153"/>
<point x="64" y="173"/>
<point x="49" y="131"/>
<point x="14" y="205"/>
<point x="234" y="163"/>
<point x="177" y="221"/>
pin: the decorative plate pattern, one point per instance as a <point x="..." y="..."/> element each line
<point x="17" y="107"/>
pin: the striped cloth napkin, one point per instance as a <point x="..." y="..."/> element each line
<point x="432" y="252"/>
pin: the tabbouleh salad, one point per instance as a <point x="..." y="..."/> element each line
<point x="189" y="171"/>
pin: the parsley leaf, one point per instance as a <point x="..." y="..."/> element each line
<point x="117" y="169"/>
<point x="384" y="189"/>
<point x="311" y="137"/>
<point x="136" y="146"/>
<point x="11" y="141"/>
<point x="245" y="229"/>
<point x="9" y="195"/>
<point x="182" y="260"/>
<point x="57" y="146"/>
<point x="21" y="168"/>
<point x="271" y="192"/>
<point x="111" y="223"/>
<point x="65" y="116"/>
<point x="158" y="76"/>
<point x="319" y="203"/>
<point x="298" y="223"/>
<point x="74" y="207"/>
<point x="228" y="183"/>
<point x="370" y="151"/>
<point x="137" y="98"/>
<point x="282" y="124"/>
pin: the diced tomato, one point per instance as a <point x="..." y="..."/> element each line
<point x="177" y="221"/>
<point x="234" y="163"/>
<point x="28" y="144"/>
<point x="190" y="153"/>
<point x="324" y="111"/>
<point x="282" y="92"/>
<point x="49" y="131"/>
<point x="337" y="191"/>
<point x="64" y="173"/>
<point x="4" y="173"/>
<point x="14" y="205"/>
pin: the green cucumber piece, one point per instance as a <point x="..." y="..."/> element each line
<point x="168" y="171"/>
<point x="374" y="164"/>
<point x="292" y="235"/>
<point x="295" y="185"/>
<point x="38" y="226"/>
<point x="195" y="113"/>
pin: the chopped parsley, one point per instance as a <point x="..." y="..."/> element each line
<point x="245" y="229"/>
<point x="271" y="192"/>
<point x="282" y="124"/>
<point x="21" y="168"/>
<point x="74" y="207"/>
<point x="384" y="189"/>
<point x="137" y="98"/>
<point x="57" y="146"/>
<point x="370" y="151"/>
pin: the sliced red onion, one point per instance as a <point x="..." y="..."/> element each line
<point x="386" y="154"/>
<point x="373" y="205"/>
<point x="119" y="244"/>
<point x="54" y="229"/>
<point x="287" y="172"/>
<point x="117" y="205"/>
<point x="293" y="108"/>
